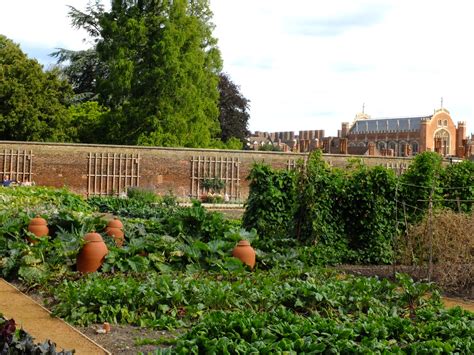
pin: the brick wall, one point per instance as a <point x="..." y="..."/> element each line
<point x="160" y="169"/>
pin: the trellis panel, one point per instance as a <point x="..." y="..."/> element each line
<point x="224" y="168"/>
<point x="292" y="164"/>
<point x="398" y="168"/>
<point x="112" y="173"/>
<point x="18" y="164"/>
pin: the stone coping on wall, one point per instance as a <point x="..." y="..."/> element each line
<point x="204" y="150"/>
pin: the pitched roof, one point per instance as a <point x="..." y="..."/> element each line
<point x="387" y="125"/>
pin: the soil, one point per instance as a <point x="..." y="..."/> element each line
<point x="124" y="339"/>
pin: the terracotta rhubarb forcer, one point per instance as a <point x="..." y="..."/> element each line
<point x="39" y="227"/>
<point x="92" y="254"/>
<point x="115" y="230"/>
<point x="245" y="253"/>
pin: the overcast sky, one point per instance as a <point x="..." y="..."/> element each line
<point x="312" y="64"/>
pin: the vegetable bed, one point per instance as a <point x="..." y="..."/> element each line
<point x="175" y="272"/>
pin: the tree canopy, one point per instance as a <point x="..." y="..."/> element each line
<point x="33" y="103"/>
<point x="233" y="110"/>
<point x="155" y="66"/>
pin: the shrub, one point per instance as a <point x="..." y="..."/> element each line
<point x="142" y="194"/>
<point x="271" y="203"/>
<point x="458" y="186"/>
<point x="452" y="248"/>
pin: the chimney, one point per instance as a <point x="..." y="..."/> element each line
<point x="344" y="129"/>
<point x="460" y="136"/>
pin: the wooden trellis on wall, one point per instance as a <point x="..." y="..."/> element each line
<point x="291" y="164"/>
<point x="112" y="173"/>
<point x="18" y="164"/>
<point x="398" y="168"/>
<point x="224" y="168"/>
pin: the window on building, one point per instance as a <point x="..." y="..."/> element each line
<point x="439" y="123"/>
<point x="414" y="147"/>
<point x="445" y="123"/>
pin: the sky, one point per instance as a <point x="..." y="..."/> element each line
<point x="311" y="64"/>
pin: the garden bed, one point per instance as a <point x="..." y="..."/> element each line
<point x="174" y="285"/>
<point x="419" y="273"/>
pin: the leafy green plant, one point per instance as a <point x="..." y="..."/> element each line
<point x="142" y="194"/>
<point x="368" y="209"/>
<point x="318" y="218"/>
<point x="420" y="184"/>
<point x="457" y="181"/>
<point x="271" y="203"/>
<point x="213" y="185"/>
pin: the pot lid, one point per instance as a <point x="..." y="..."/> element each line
<point x="38" y="221"/>
<point x="93" y="237"/>
<point x="115" y="223"/>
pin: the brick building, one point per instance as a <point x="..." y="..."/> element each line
<point x="402" y="136"/>
<point x="304" y="142"/>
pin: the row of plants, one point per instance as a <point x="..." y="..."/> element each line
<point x="353" y="212"/>
<point x="283" y="331"/>
<point x="298" y="310"/>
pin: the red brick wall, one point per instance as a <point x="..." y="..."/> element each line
<point x="161" y="169"/>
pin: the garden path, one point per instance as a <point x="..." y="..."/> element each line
<point x="37" y="321"/>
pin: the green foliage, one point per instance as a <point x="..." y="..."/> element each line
<point x="82" y="70"/>
<point x="282" y="331"/>
<point x="271" y="203"/>
<point x="457" y="182"/>
<point x="213" y="185"/>
<point x="33" y="103"/>
<point x="156" y="66"/>
<point x="318" y="217"/>
<point x="269" y="147"/>
<point x="175" y="272"/>
<point x="369" y="213"/>
<point x="143" y="195"/>
<point x="349" y="216"/>
<point x="233" y="110"/>
<point x="86" y="124"/>
<point x="420" y="183"/>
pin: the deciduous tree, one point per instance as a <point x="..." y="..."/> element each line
<point x="33" y="103"/>
<point x="159" y="66"/>
<point x="233" y="110"/>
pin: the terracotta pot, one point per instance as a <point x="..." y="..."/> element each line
<point x="245" y="253"/>
<point x="92" y="254"/>
<point x="39" y="227"/>
<point x="115" y="229"/>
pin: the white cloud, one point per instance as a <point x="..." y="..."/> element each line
<point x="41" y="24"/>
<point x="328" y="58"/>
<point x="311" y="64"/>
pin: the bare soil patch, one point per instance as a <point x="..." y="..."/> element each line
<point x="126" y="339"/>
